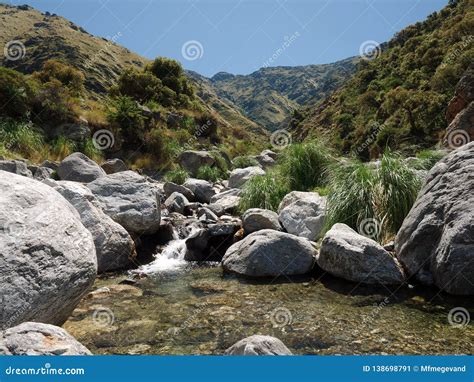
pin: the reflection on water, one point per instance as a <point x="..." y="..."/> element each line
<point x="197" y="310"/>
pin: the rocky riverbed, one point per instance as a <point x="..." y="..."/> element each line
<point x="198" y="310"/>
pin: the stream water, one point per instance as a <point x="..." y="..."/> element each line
<point x="185" y="309"/>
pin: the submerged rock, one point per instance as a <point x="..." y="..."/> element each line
<point x="130" y="200"/>
<point x="270" y="253"/>
<point x="259" y="345"/>
<point x="346" y="254"/>
<point x="48" y="259"/>
<point x="34" y="338"/>
<point x="436" y="241"/>
<point x="79" y="168"/>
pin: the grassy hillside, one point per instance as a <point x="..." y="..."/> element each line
<point x="270" y="95"/>
<point x="398" y="99"/>
<point x="179" y="105"/>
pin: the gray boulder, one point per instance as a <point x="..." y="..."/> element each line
<point x="239" y="176"/>
<point x="112" y="166"/>
<point x="130" y="200"/>
<point x="227" y="204"/>
<point x="77" y="131"/>
<point x="256" y="219"/>
<point x="115" y="248"/>
<point x="204" y="213"/>
<point x="303" y="214"/>
<point x="191" y="160"/>
<point x="223" y="194"/>
<point x="346" y="254"/>
<point x="258" y="345"/>
<point x="50" y="164"/>
<point x="176" y="202"/>
<point x="170" y="187"/>
<point x="16" y="167"/>
<point x="270" y="253"/>
<point x="43" y="173"/>
<point x="202" y="189"/>
<point x="48" y="259"/>
<point x="436" y="241"/>
<point x="79" y="168"/>
<point x="34" y="338"/>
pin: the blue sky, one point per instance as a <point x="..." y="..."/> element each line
<point x="240" y="36"/>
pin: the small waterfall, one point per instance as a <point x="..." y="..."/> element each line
<point x="171" y="257"/>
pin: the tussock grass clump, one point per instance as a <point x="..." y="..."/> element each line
<point x="381" y="193"/>
<point x="306" y="165"/>
<point x="264" y="191"/>
<point x="21" y="138"/>
<point x="426" y="159"/>
<point x="211" y="174"/>
<point x="177" y="176"/>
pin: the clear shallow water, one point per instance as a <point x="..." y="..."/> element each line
<point x="198" y="310"/>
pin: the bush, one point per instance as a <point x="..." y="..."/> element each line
<point x="426" y="159"/>
<point x="384" y="195"/>
<point x="211" y="174"/>
<point x="20" y="138"/>
<point x="263" y="191"/>
<point x="15" y="93"/>
<point x="244" y="161"/>
<point x="305" y="165"/>
<point x="70" y="77"/>
<point x="177" y="176"/>
<point x="61" y="147"/>
<point x="124" y="112"/>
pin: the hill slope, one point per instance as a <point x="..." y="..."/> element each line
<point x="269" y="95"/>
<point x="399" y="99"/>
<point x="47" y="36"/>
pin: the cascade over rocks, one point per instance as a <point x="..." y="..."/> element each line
<point x="48" y="259"/>
<point x="436" y="241"/>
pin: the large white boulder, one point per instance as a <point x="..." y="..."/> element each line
<point x="130" y="200"/>
<point x="48" y="258"/>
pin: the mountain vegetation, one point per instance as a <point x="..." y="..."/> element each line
<point x="398" y="99"/>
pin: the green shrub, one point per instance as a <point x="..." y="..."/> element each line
<point x="15" y="93"/>
<point x="211" y="174"/>
<point x="426" y="159"/>
<point x="384" y="194"/>
<point x="305" y="165"/>
<point x="88" y="148"/>
<point x="244" y="161"/>
<point x="263" y="191"/>
<point x="61" y="147"/>
<point x="21" y="138"/>
<point x="177" y="176"/>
